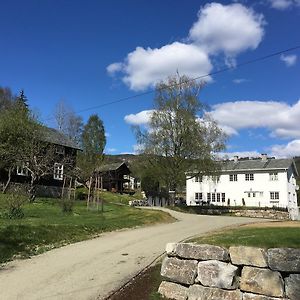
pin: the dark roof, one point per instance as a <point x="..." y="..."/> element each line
<point x="111" y="167"/>
<point x="54" y="136"/>
<point x="258" y="164"/>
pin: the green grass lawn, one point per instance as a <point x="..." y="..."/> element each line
<point x="45" y="226"/>
<point x="112" y="197"/>
<point x="266" y="237"/>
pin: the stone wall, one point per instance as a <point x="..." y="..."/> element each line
<point x="205" y="272"/>
<point x="262" y="213"/>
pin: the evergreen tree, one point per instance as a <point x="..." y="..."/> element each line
<point x="21" y="101"/>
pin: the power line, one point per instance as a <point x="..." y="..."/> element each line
<point x="192" y="79"/>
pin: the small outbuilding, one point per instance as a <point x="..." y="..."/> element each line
<point x="114" y="176"/>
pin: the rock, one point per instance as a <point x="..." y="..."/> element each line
<point x="262" y="281"/>
<point x="199" y="292"/>
<point x="201" y="252"/>
<point x="248" y="296"/>
<point x="171" y="249"/>
<point x="178" y="270"/>
<point x="292" y="286"/>
<point x="249" y="256"/>
<point x="214" y="273"/>
<point x="284" y="259"/>
<point x="172" y="290"/>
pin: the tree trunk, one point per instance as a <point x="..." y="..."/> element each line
<point x="8" y="180"/>
<point x="32" y="189"/>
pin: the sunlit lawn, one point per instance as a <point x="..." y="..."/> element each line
<point x="266" y="237"/>
<point x="45" y="226"/>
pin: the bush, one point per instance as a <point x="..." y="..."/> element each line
<point x="82" y="193"/>
<point x="14" y="203"/>
<point x="67" y="205"/>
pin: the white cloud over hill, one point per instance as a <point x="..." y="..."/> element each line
<point x="220" y="29"/>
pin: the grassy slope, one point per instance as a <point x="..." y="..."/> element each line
<point x="254" y="236"/>
<point x="45" y="226"/>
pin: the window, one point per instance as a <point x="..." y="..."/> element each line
<point x="218" y="197"/>
<point x="249" y="177"/>
<point x="223" y="197"/>
<point x="198" y="196"/>
<point x="261" y="194"/>
<point x="254" y="195"/>
<point x="213" y="195"/>
<point x="198" y="179"/>
<point x="273" y="176"/>
<point x="233" y="177"/>
<point x="274" y="195"/>
<point x="208" y="197"/>
<point x="58" y="173"/>
<point x="249" y="195"/>
<point x="60" y="149"/>
<point x="22" y="171"/>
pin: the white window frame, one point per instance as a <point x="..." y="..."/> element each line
<point x="198" y="179"/>
<point x="273" y="176"/>
<point x="274" y="195"/>
<point x="249" y="177"/>
<point x="198" y="196"/>
<point x="22" y="170"/>
<point x="58" y="171"/>
<point x="233" y="177"/>
<point x="208" y="197"/>
<point x="223" y="197"/>
<point x="213" y="197"/>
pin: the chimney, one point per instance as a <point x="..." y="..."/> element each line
<point x="235" y="158"/>
<point x="264" y="157"/>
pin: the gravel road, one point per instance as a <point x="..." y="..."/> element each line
<point x="93" y="269"/>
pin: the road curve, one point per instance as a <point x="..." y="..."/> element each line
<point x="94" y="268"/>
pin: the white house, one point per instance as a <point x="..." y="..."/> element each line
<point x="261" y="182"/>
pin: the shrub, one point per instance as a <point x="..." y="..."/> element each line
<point x="67" y="205"/>
<point x="14" y="203"/>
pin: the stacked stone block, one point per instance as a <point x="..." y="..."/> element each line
<point x="206" y="272"/>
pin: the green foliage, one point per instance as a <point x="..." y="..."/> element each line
<point x="6" y="99"/>
<point x="45" y="226"/>
<point x="267" y="237"/>
<point x="93" y="143"/>
<point x="13" y="205"/>
<point x="177" y="140"/>
<point x="67" y="205"/>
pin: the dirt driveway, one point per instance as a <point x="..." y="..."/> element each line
<point x="93" y="268"/>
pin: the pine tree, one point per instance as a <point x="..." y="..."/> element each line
<point x="21" y="101"/>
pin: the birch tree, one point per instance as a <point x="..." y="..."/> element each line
<point x="179" y="138"/>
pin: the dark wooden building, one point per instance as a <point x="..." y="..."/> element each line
<point x="114" y="176"/>
<point x="63" y="159"/>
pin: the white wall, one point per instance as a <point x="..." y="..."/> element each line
<point x="237" y="190"/>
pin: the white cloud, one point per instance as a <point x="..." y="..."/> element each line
<point x="227" y="28"/>
<point x="289" y="60"/>
<point x="239" y="80"/>
<point x="146" y="67"/>
<point x="228" y="130"/>
<point x="141" y="118"/>
<point x="114" y="68"/>
<point x="281" y="119"/>
<point x="283" y="4"/>
<point x="289" y="150"/>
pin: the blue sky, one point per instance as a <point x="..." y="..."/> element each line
<point x="88" y="53"/>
